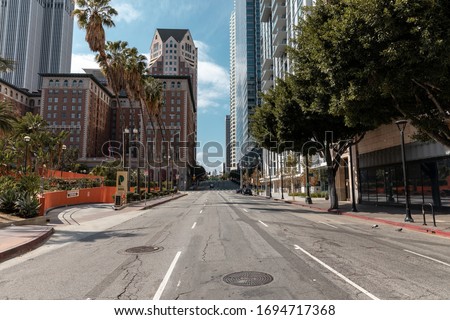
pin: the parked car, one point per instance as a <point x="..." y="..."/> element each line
<point x="248" y="191"/>
<point x="239" y="191"/>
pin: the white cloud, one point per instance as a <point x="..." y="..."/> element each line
<point x="213" y="82"/>
<point x="83" y="61"/>
<point x="127" y="13"/>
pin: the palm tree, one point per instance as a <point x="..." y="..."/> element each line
<point x="113" y="67"/>
<point x="7" y="117"/>
<point x="6" y="64"/>
<point x="92" y="16"/>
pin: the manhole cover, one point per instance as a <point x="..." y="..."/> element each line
<point x="143" y="249"/>
<point x="248" y="278"/>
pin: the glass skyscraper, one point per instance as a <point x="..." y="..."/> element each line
<point x="37" y="36"/>
<point x="247" y="69"/>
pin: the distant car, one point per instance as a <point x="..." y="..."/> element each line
<point x="248" y="191"/>
<point x="239" y="191"/>
<point x="211" y="186"/>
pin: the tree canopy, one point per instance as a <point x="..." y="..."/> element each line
<point x="377" y="60"/>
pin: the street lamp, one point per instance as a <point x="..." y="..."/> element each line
<point x="281" y="175"/>
<point x="308" y="199"/>
<point x="401" y="124"/>
<point x="270" y="174"/>
<point x="63" y="148"/>
<point x="125" y="131"/>
<point x="27" y="140"/>
<point x="138" y="156"/>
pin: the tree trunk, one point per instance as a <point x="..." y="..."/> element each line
<point x="332" y="193"/>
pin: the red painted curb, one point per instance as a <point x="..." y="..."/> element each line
<point x="405" y="225"/>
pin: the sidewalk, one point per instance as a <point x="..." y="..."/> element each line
<point x="378" y="214"/>
<point x="16" y="240"/>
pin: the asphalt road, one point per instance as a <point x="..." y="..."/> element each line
<point x="277" y="250"/>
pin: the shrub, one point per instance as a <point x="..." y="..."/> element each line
<point x="27" y="205"/>
<point x="7" y="182"/>
<point x="30" y="183"/>
<point x="8" y="200"/>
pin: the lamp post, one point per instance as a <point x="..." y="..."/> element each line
<point x="63" y="150"/>
<point x="353" y="178"/>
<point x="281" y="177"/>
<point x="401" y="124"/>
<point x="308" y="199"/>
<point x="25" y="162"/>
<point x="270" y="174"/>
<point x="138" y="155"/>
<point x="125" y="131"/>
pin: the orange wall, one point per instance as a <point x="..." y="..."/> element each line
<point x="68" y="175"/>
<point x="92" y="195"/>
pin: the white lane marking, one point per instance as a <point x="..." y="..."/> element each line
<point x="193" y="226"/>
<point x="367" y="293"/>
<point x="163" y="284"/>
<point x="421" y="255"/>
<point x="265" y="225"/>
<point x="178" y="285"/>
<point x="245" y="210"/>
<point x="201" y="211"/>
<point x="328" y="224"/>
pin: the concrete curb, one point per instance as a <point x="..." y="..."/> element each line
<point x="164" y="201"/>
<point x="26" y="247"/>
<point x="41" y="221"/>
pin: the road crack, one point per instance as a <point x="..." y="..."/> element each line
<point x="205" y="248"/>
<point x="126" y="293"/>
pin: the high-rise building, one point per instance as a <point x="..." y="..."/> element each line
<point x="173" y="61"/>
<point x="228" y="145"/>
<point x="232" y="164"/>
<point x="37" y="36"/>
<point x="278" y="20"/>
<point x="248" y="70"/>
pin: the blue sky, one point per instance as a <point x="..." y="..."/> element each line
<point x="208" y="21"/>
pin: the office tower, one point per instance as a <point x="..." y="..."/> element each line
<point x="228" y="146"/>
<point x="173" y="61"/>
<point x="232" y="146"/>
<point x="248" y="70"/>
<point x="37" y="35"/>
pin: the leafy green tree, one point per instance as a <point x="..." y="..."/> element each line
<point x="301" y="123"/>
<point x="380" y="60"/>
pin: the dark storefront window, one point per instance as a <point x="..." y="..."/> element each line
<point x="428" y="182"/>
<point x="443" y="168"/>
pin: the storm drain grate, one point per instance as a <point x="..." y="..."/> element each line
<point x="248" y="278"/>
<point x="143" y="249"/>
